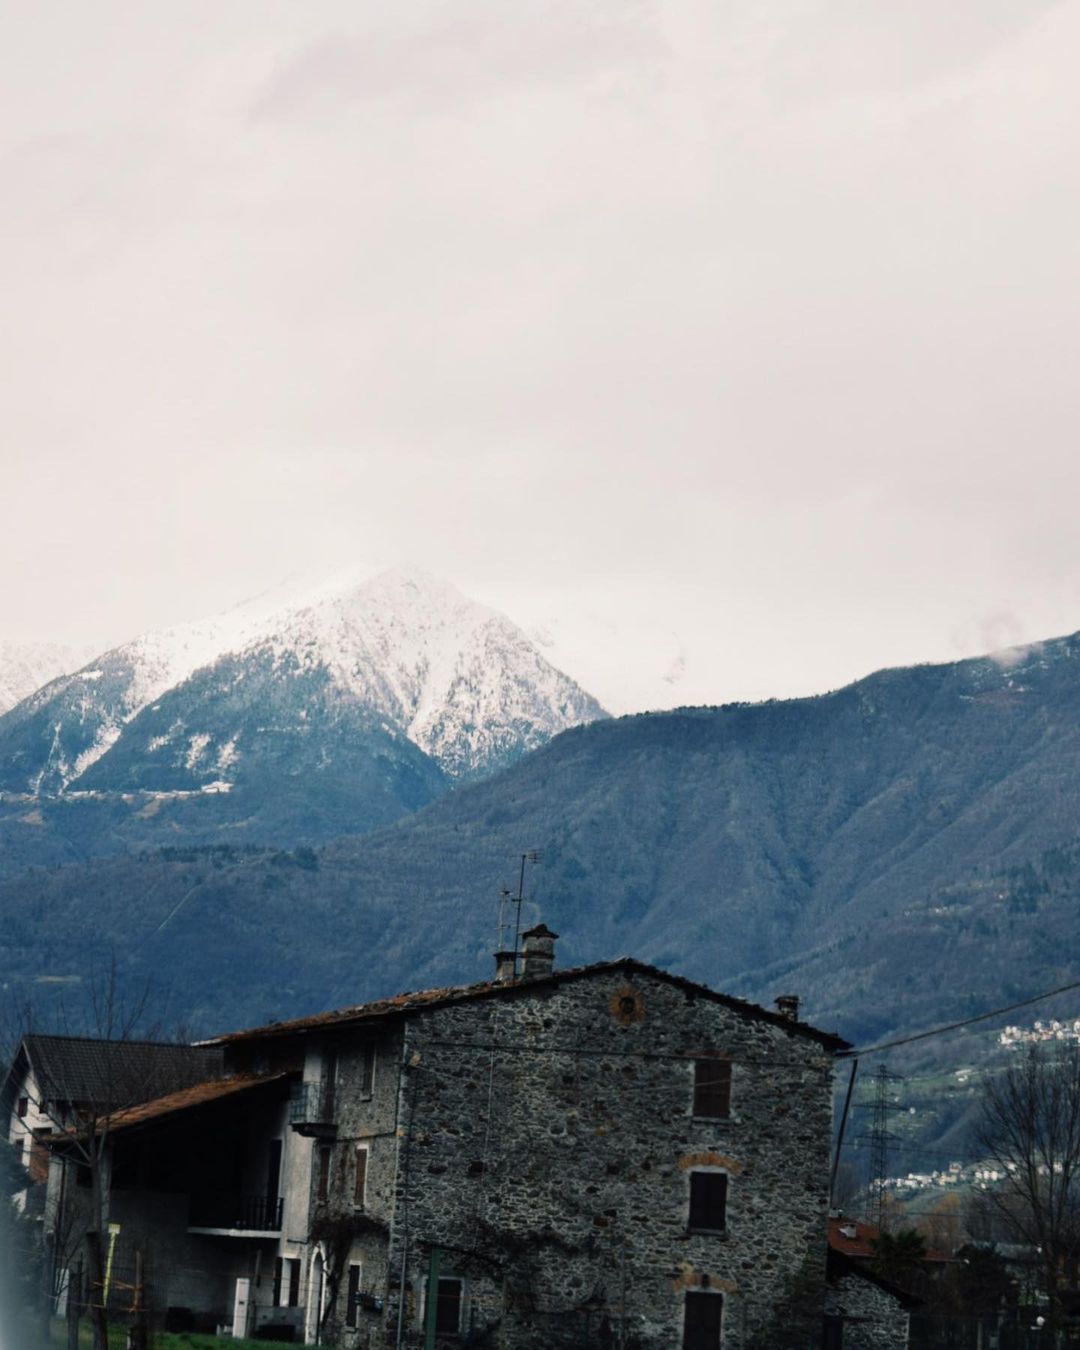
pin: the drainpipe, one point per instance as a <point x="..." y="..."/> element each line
<point x="431" y="1306"/>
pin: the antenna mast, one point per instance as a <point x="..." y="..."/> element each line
<point x="531" y="856"/>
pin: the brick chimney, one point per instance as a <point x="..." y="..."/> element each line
<point x="787" y="1005"/>
<point x="505" y="967"/>
<point x="538" y="951"/>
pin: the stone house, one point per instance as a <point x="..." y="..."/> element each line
<point x="605" y="1155"/>
<point x="862" y="1310"/>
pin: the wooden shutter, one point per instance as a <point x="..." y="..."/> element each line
<point x="351" y="1293"/>
<point x="294" y="1282"/>
<point x="361" y="1177"/>
<point x="712" y="1088"/>
<point x="324" y="1172"/>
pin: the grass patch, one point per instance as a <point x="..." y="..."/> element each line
<point x="160" y="1340"/>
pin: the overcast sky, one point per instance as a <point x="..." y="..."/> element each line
<point x="742" y="335"/>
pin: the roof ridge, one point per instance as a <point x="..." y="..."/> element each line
<point x="414" y="1000"/>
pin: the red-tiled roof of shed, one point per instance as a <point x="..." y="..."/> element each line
<point x="403" y="1004"/>
<point x="855" y="1238"/>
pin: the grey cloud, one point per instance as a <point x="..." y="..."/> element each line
<point x="463" y="62"/>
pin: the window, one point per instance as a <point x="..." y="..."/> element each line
<point x="367" y="1069"/>
<point x="360" y="1190"/>
<point x="448" y="1309"/>
<point x="708" y="1202"/>
<point x="329" y="1083"/>
<point x="701" y="1321"/>
<point x="352" y="1295"/>
<point x="286" y="1282"/>
<point x="23" y="1107"/>
<point x="39" y="1161"/>
<point x="293" y="1263"/>
<point x="322" y="1190"/>
<point x="712" y="1088"/>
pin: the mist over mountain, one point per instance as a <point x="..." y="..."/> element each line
<point x="897" y="852"/>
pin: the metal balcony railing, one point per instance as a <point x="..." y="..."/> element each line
<point x="243" y="1213"/>
<point x="310" y="1107"/>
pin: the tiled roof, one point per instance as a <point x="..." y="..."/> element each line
<point x="106" y="1073"/>
<point x="200" y="1094"/>
<point x="854" y="1238"/>
<point x="402" y="1004"/>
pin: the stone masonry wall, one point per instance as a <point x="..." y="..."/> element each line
<point x="547" y="1143"/>
<point x="873" y="1319"/>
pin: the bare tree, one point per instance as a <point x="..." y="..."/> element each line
<point x="1029" y="1129"/>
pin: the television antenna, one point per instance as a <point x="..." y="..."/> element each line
<point x="515" y="898"/>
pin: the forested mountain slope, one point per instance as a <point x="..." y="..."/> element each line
<point x="894" y="851"/>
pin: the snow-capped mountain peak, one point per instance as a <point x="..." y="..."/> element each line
<point x="458" y="680"/>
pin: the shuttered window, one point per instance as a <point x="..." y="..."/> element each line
<point x="360" y="1190"/>
<point x="351" y="1295"/>
<point x="323" y="1180"/>
<point x="712" y="1088"/>
<point x="708" y="1202"/>
<point x="367" y="1069"/>
<point x="701" y="1321"/>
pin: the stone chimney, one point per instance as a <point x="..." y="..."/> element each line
<point x="538" y="951"/>
<point x="505" y="967"/>
<point x="787" y="1005"/>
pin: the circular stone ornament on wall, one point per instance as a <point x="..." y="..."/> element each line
<point x="627" y="1006"/>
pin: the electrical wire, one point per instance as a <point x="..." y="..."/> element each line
<point x="957" y="1026"/>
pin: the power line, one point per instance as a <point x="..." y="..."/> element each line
<point x="957" y="1026"/>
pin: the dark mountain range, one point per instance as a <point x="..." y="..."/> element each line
<point x="900" y="851"/>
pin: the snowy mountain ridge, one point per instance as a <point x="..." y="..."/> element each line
<point x="26" y="666"/>
<point x="422" y="661"/>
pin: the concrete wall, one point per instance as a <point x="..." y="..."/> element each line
<point x="549" y="1143"/>
<point x="873" y="1319"/>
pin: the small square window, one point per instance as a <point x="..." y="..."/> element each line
<point x="708" y="1202"/>
<point x="712" y="1088"/>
